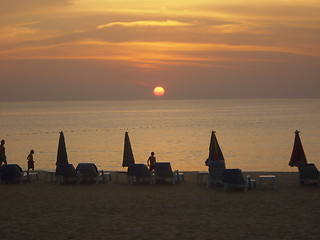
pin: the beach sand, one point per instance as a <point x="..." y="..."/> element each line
<point x="42" y="210"/>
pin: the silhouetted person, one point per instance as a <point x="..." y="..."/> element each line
<point x="3" y="157"/>
<point x="151" y="161"/>
<point x="30" y="160"/>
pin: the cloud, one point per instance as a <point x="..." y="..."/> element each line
<point x="167" y="23"/>
<point x="149" y="37"/>
<point x="149" y="56"/>
<point x="10" y="7"/>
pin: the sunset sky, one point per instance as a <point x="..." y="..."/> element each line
<point x="122" y="49"/>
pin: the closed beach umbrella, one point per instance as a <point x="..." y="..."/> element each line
<point x="127" y="152"/>
<point x="298" y="156"/>
<point x="215" y="153"/>
<point x="62" y="157"/>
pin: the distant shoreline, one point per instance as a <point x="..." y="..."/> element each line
<point x="151" y="99"/>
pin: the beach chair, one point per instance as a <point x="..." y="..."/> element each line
<point x="138" y="173"/>
<point x="89" y="172"/>
<point x="308" y="173"/>
<point x="12" y="173"/>
<point x="235" y="178"/>
<point x="215" y="175"/>
<point x="163" y="171"/>
<point x="67" y="173"/>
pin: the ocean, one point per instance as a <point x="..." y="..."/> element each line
<point x="254" y="135"/>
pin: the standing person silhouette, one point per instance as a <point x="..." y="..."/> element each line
<point x="3" y="157"/>
<point x="151" y="161"/>
<point x="30" y="160"/>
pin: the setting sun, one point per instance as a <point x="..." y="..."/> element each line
<point x="158" y="91"/>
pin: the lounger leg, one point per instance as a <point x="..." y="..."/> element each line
<point x="174" y="180"/>
<point x="22" y="177"/>
<point x="181" y="177"/>
<point x="107" y="177"/>
<point x="102" y="175"/>
<point x="175" y="177"/>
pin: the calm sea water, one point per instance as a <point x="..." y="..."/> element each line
<point x="253" y="134"/>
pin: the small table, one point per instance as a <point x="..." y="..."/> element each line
<point x="263" y="178"/>
<point x="181" y="177"/>
<point x="107" y="176"/>
<point x="118" y="173"/>
<point x="33" y="177"/>
<point x="50" y="176"/>
<point x="200" y="177"/>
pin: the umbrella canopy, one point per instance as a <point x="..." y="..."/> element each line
<point x="127" y="152"/>
<point x="298" y="156"/>
<point x="62" y="157"/>
<point x="215" y="153"/>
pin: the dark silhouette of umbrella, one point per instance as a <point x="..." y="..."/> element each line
<point x="298" y="156"/>
<point x="62" y="157"/>
<point x="215" y="153"/>
<point x="127" y="152"/>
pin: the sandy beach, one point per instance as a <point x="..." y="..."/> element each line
<point x="45" y="210"/>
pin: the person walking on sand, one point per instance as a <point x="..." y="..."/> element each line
<point x="3" y="157"/>
<point x="151" y="161"/>
<point x="30" y="160"/>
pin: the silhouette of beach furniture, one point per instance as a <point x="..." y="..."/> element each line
<point x="11" y="173"/>
<point x="308" y="173"/>
<point x="128" y="157"/>
<point x="90" y="173"/>
<point x="118" y="173"/>
<point x="67" y="173"/>
<point x="163" y="171"/>
<point x="235" y="178"/>
<point x="298" y="156"/>
<point x="138" y="173"/>
<point x="272" y="179"/>
<point x="200" y="176"/>
<point x="215" y="153"/>
<point x="62" y="156"/>
<point x="215" y="175"/>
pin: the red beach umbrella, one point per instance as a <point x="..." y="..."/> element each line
<point x="127" y="152"/>
<point x="62" y="157"/>
<point x="298" y="156"/>
<point x="215" y="153"/>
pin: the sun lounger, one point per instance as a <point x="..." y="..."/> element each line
<point x="308" y="173"/>
<point x="14" y="173"/>
<point x="163" y="171"/>
<point x="67" y="173"/>
<point x="89" y="172"/>
<point x="138" y="173"/>
<point x="215" y="172"/>
<point x="235" y="178"/>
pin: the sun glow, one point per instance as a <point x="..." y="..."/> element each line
<point x="158" y="91"/>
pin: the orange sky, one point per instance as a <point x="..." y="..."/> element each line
<point x="70" y="50"/>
